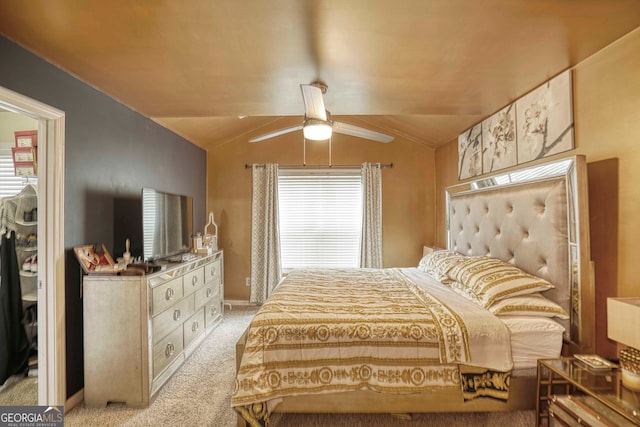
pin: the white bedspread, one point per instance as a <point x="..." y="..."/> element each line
<point x="489" y="339"/>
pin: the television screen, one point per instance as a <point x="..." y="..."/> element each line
<point x="167" y="224"/>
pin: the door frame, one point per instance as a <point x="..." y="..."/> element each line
<point x="51" y="275"/>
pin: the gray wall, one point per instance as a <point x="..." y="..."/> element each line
<point x="110" y="152"/>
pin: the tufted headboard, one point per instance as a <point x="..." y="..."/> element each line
<point x="537" y="219"/>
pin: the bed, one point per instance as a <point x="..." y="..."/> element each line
<point x="438" y="337"/>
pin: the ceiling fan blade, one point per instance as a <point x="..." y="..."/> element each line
<point x="313" y="102"/>
<point x="275" y="133"/>
<point x="359" y="132"/>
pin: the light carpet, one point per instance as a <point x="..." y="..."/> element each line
<point x="199" y="394"/>
<point x="19" y="390"/>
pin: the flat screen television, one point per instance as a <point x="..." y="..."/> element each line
<point x="167" y="224"/>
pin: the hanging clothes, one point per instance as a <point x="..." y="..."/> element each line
<point x="14" y="343"/>
<point x="13" y="208"/>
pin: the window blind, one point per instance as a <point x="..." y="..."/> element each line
<point x="10" y="184"/>
<point x="320" y="218"/>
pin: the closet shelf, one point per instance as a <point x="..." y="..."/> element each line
<point x="28" y="274"/>
<point x="31" y="297"/>
<point x="26" y="223"/>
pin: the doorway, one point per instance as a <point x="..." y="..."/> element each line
<point x="18" y="259"/>
<point x="49" y="287"/>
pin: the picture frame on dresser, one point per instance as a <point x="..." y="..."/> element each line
<point x="95" y="259"/>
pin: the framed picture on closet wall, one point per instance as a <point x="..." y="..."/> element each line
<point x="26" y="138"/>
<point x="24" y="154"/>
<point x="25" y="169"/>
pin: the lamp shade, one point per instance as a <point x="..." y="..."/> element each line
<point x="316" y="129"/>
<point x="623" y="315"/>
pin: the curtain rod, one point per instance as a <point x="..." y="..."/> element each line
<point x="382" y="165"/>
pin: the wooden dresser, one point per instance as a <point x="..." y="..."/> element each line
<point x="138" y="330"/>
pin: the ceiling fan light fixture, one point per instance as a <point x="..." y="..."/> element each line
<point x="316" y="130"/>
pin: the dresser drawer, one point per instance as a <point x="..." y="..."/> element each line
<point x="193" y="280"/>
<point x="171" y="318"/>
<point x="213" y="271"/>
<point x="205" y="294"/>
<point x="213" y="312"/>
<point x="166" y="295"/>
<point x="166" y="350"/>
<point x="193" y="327"/>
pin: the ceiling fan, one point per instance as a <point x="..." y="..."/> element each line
<point x="317" y="124"/>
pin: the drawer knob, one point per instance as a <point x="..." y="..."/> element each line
<point x="213" y="271"/>
<point x="169" y="294"/>
<point x="195" y="326"/>
<point x="176" y="314"/>
<point x="169" y="350"/>
<point x="209" y="292"/>
<point x="213" y="311"/>
<point x="194" y="280"/>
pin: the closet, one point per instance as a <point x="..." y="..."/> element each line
<point x="18" y="264"/>
<point x="18" y="282"/>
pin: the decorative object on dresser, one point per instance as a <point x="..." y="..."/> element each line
<point x="94" y="260"/>
<point x="209" y="241"/>
<point x="138" y="330"/>
<point x="622" y="319"/>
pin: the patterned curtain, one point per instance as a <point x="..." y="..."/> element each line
<point x="371" y="240"/>
<point x="266" y="269"/>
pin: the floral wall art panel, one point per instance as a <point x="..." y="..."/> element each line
<point x="470" y="152"/>
<point x="545" y="120"/>
<point x="499" y="149"/>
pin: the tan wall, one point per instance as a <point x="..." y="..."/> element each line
<point x="408" y="194"/>
<point x="607" y="130"/>
<point x="12" y="122"/>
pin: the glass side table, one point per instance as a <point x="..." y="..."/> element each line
<point x="603" y="389"/>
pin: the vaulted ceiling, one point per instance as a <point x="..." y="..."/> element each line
<point x="215" y="70"/>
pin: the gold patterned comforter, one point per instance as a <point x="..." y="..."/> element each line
<point x="388" y="330"/>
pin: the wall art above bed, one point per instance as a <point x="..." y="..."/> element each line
<point x="537" y="125"/>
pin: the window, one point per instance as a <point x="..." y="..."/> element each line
<point x="10" y="184"/>
<point x="320" y="216"/>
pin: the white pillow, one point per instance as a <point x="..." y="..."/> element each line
<point x="528" y="305"/>
<point x="438" y="263"/>
<point x="485" y="280"/>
